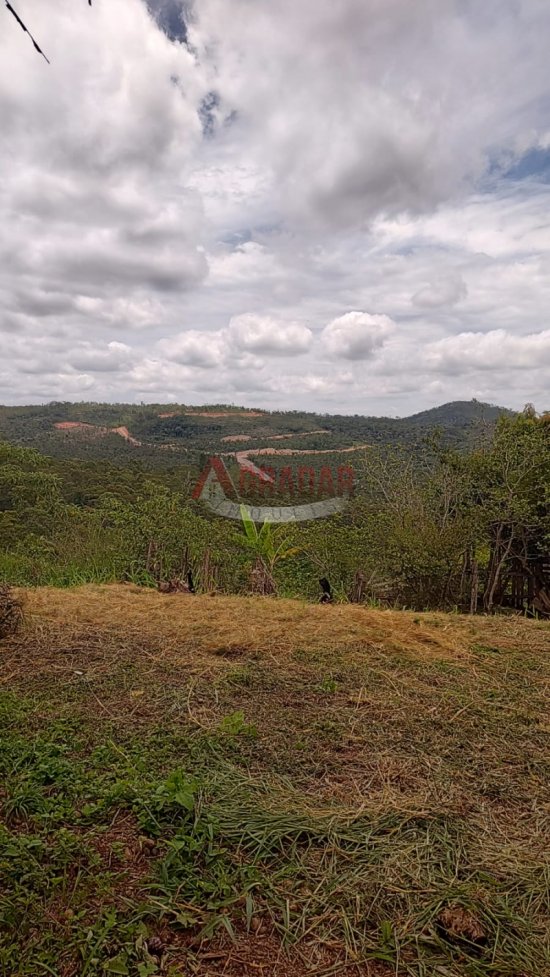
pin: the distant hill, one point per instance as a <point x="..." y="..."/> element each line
<point x="458" y="413"/>
<point x="160" y="436"/>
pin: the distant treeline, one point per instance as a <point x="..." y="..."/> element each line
<point x="171" y="435"/>
<point x="434" y="527"/>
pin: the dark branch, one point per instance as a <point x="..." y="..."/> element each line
<point x="26" y="29"/>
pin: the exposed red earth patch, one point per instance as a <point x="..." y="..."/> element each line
<point x="124" y="433"/>
<point x="72" y="425"/>
<point x="96" y="430"/>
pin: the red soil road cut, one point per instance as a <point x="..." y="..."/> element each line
<point x="245" y="463"/>
<point x="243" y="456"/>
<point x="274" y="437"/>
<point x="297" y="434"/>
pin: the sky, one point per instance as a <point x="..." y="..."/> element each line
<point x="340" y="207"/>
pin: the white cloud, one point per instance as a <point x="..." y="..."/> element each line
<point x="195" y="348"/>
<point x="352" y="159"/>
<point x="357" y="335"/>
<point x="95" y="147"/>
<point x="489" y="351"/>
<point x="248" y="262"/>
<point x="264" y="334"/>
<point x="115" y="357"/>
<point x="362" y="106"/>
<point x="159" y="380"/>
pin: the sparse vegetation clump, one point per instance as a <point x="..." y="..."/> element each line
<point x="11" y="612"/>
<point x="220" y="786"/>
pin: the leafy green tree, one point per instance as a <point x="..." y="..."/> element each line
<point x="512" y="479"/>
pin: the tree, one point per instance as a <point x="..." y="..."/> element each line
<point x="512" y="481"/>
<point x="415" y="509"/>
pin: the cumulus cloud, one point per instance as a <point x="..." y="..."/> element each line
<point x="115" y="357"/>
<point x="264" y="334"/>
<point x="195" y="348"/>
<point x="192" y="192"/>
<point x="158" y="379"/>
<point x="496" y="349"/>
<point x="139" y="312"/>
<point x="357" y="335"/>
<point x="94" y="151"/>
<point x="344" y="103"/>
<point x="248" y="262"/>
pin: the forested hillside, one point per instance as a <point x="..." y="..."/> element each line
<point x="163" y="435"/>
<point x="429" y="524"/>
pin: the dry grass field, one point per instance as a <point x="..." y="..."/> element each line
<point x="222" y="785"/>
